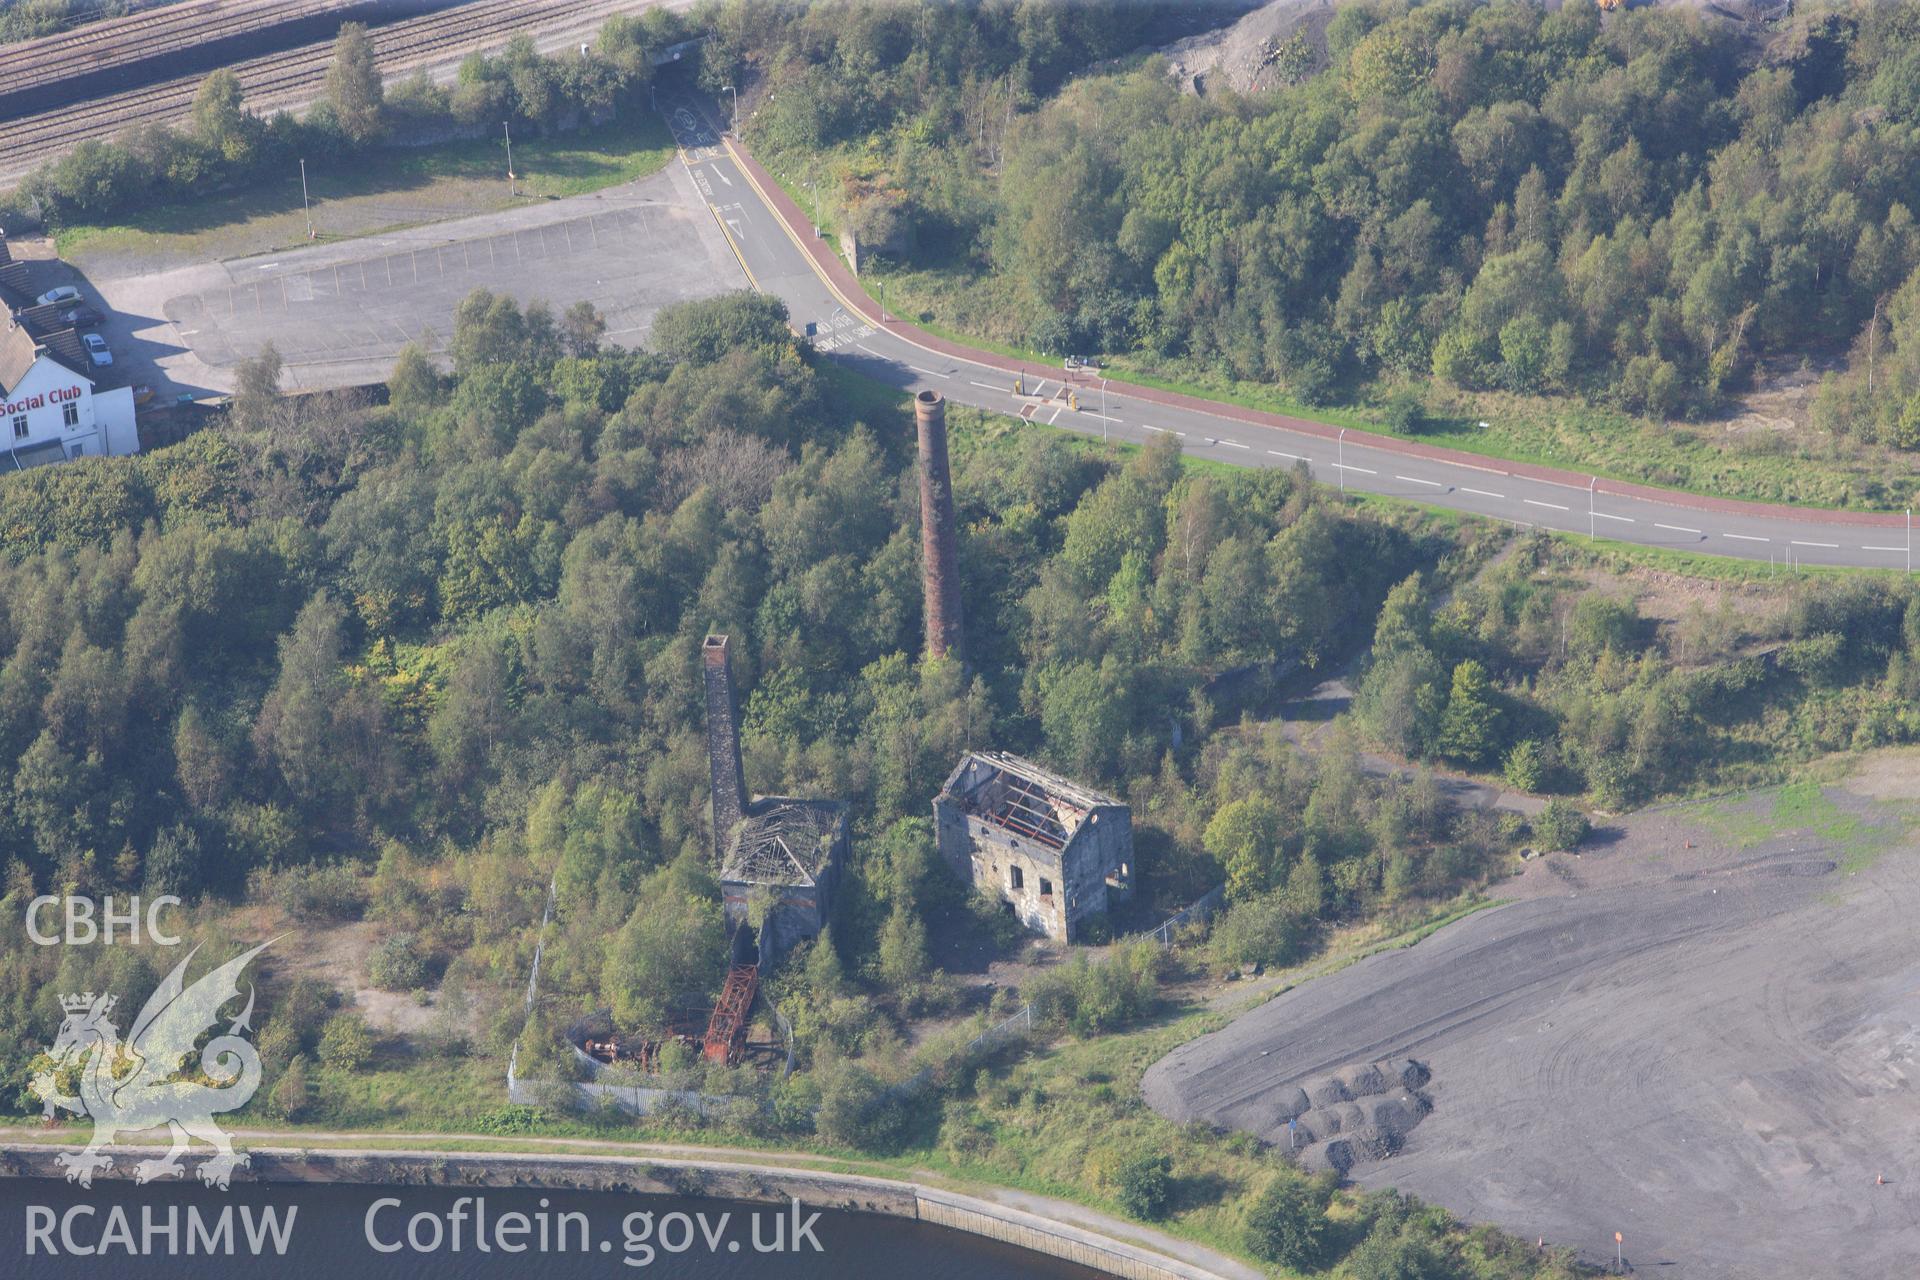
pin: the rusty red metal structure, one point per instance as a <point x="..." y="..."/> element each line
<point x="726" y="1039"/>
<point x="937" y="535"/>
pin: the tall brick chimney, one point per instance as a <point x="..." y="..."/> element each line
<point x="941" y="574"/>
<point x="723" y="744"/>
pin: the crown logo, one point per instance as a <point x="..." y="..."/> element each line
<point x="83" y="1002"/>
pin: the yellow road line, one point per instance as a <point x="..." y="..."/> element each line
<point x="734" y="245"/>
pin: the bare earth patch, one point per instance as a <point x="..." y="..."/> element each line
<point x="337" y="956"/>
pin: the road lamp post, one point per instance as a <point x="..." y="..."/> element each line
<point x="1592" y="484"/>
<point x="1340" y="458"/>
<point x="305" y="206"/>
<point x="509" y="136"/>
<point x="1103" y="409"/>
<point x="1909" y="539"/>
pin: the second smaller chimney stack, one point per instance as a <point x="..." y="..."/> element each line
<point x="723" y="744"/>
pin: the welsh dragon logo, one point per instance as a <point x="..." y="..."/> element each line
<point x="141" y="1084"/>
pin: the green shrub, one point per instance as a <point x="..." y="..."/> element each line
<point x="347" y="1043"/>
<point x="1560" y="826"/>
<point x="1144" y="1185"/>
<point x="856" y="1109"/>
<point x="1525" y="767"/>
<point x="1262" y="930"/>
<point x="397" y="964"/>
<point x="1287" y="1224"/>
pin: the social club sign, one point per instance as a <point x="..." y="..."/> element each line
<point x="27" y="404"/>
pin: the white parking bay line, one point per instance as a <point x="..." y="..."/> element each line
<point x="1675" y="528"/>
<point x="1745" y="537"/>
<point x="1483" y="493"/>
<point x="1417" y="480"/>
<point x="1825" y="546"/>
<point x="1535" y="502"/>
<point x="1601" y="515"/>
<point x="1365" y="471"/>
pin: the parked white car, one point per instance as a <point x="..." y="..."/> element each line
<point x="65" y="293"/>
<point x="97" y="350"/>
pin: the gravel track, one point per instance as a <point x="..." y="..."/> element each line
<point x="1708" y="1050"/>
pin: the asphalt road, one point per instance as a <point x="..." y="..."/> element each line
<point x="776" y="263"/>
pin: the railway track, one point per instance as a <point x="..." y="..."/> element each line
<point x="296" y="76"/>
<point x="150" y="34"/>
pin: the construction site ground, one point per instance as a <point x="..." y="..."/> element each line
<point x="1702" y="1033"/>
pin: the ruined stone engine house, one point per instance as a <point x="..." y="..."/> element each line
<point x="1055" y="851"/>
<point x="779" y="856"/>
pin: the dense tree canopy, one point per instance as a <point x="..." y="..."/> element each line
<point x="1632" y="207"/>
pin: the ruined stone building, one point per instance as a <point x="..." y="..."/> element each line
<point x="1055" y="851"/>
<point x="779" y="857"/>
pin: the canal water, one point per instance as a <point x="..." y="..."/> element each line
<point x="170" y="1230"/>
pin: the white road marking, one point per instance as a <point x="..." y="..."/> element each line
<point x="1088" y="413"/>
<point x="1895" y="550"/>
<point x="1535" y="502"/>
<point x="1482" y="493"/>
<point x="1745" y="537"/>
<point x="1235" y="444"/>
<point x="1365" y="471"/>
<point x="1676" y="528"/>
<point x="1417" y="480"/>
<point x="864" y="347"/>
<point x="1601" y="515"/>
<point x="1279" y="454"/>
<point x="1056" y="416"/>
<point x="990" y="386"/>
<point x="931" y="373"/>
<point x="1828" y="546"/>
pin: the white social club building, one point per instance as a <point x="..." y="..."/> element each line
<point x="49" y="413"/>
